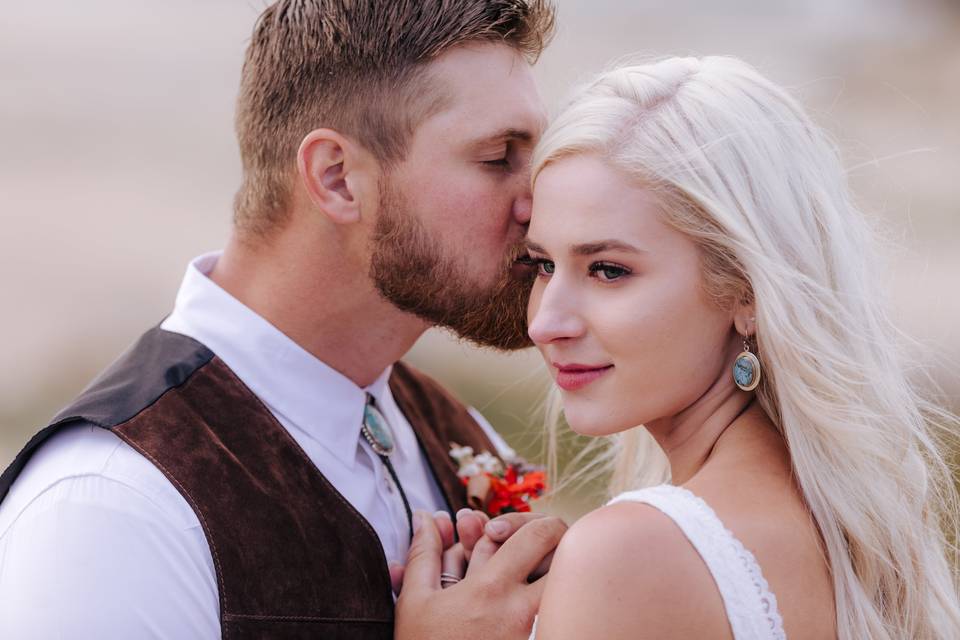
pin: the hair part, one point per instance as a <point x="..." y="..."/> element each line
<point x="742" y="170"/>
<point x="360" y="68"/>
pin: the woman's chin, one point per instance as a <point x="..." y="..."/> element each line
<point x="594" y="426"/>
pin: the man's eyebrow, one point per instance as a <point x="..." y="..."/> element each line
<point x="503" y="135"/>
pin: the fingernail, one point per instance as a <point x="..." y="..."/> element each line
<point x="443" y="514"/>
<point x="495" y="528"/>
<point x="463" y="512"/>
<point x="417" y="520"/>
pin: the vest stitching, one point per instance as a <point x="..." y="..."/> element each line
<point x="196" y="508"/>
<point x="183" y="491"/>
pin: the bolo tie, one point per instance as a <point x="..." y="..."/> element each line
<point x="376" y="431"/>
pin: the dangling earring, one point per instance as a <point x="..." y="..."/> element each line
<point x="746" y="369"/>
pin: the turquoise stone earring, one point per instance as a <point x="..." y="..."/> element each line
<point x="746" y="369"/>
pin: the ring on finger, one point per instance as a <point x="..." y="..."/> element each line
<point x="448" y="579"/>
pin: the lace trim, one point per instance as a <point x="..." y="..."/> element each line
<point x="766" y="598"/>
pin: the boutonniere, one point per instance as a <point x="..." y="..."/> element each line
<point x="497" y="486"/>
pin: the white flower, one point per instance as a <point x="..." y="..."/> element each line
<point x="488" y="462"/>
<point x="468" y="470"/>
<point x="508" y="454"/>
<point x="461" y="454"/>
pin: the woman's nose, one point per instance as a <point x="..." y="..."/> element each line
<point x="553" y="315"/>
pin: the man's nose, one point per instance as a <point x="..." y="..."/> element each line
<point x="523" y="201"/>
<point x="522" y="208"/>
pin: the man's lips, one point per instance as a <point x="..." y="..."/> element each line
<point x="576" y="376"/>
<point x="522" y="267"/>
<point x="521" y="270"/>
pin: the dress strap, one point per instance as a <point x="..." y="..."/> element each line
<point x="750" y="605"/>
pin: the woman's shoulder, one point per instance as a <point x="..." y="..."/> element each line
<point x="638" y="526"/>
<point x="628" y="566"/>
<point x="770" y="521"/>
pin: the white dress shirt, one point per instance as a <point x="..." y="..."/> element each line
<point x="95" y="542"/>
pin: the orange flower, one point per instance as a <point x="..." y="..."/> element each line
<point x="513" y="492"/>
<point x="496" y="487"/>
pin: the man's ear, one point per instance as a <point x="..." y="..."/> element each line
<point x="331" y="167"/>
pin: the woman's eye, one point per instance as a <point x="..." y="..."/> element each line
<point x="544" y="267"/>
<point x="608" y="272"/>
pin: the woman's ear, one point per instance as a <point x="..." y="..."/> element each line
<point x="744" y="319"/>
<point x="329" y="164"/>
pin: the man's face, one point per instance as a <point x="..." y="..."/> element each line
<point x="453" y="212"/>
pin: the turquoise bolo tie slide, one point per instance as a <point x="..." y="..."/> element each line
<point x="376" y="431"/>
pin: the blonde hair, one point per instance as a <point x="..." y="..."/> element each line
<point x="739" y="167"/>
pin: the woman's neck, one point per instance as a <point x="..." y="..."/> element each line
<point x="689" y="438"/>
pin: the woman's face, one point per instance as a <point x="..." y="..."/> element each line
<point x="618" y="309"/>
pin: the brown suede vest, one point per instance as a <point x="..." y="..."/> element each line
<point x="293" y="558"/>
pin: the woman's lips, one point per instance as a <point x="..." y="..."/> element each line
<point x="575" y="376"/>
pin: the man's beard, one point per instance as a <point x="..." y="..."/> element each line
<point x="410" y="269"/>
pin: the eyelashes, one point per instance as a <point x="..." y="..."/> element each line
<point x="608" y="271"/>
<point x="544" y="267"/>
<point x="602" y="271"/>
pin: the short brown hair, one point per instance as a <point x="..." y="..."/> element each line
<point x="356" y="67"/>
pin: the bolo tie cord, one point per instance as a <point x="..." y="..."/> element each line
<point x="393" y="472"/>
<point x="403" y="495"/>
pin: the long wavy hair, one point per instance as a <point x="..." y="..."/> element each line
<point x="739" y="167"/>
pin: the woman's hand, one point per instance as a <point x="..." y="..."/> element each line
<point x="478" y="533"/>
<point x="495" y="599"/>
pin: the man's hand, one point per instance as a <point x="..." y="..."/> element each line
<point x="476" y="531"/>
<point x="494" y="600"/>
<point x="451" y="556"/>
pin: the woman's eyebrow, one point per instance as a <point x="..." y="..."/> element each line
<point x="590" y="248"/>
<point x="533" y="246"/>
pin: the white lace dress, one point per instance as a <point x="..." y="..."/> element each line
<point x="751" y="606"/>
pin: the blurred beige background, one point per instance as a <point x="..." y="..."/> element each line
<point x="118" y="164"/>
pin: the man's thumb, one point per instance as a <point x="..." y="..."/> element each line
<point x="423" y="560"/>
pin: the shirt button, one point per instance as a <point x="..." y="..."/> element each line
<point x="388" y="484"/>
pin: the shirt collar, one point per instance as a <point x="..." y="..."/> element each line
<point x="300" y="389"/>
